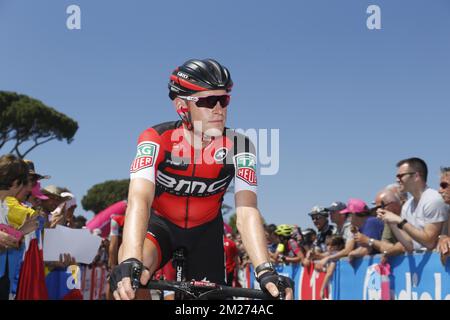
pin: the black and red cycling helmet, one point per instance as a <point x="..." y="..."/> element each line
<point x="199" y="75"/>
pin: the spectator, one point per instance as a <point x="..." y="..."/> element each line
<point x="389" y="199"/>
<point x="343" y="223"/>
<point x="366" y="225"/>
<point x="115" y="238"/>
<point x="342" y="220"/>
<point x="424" y="215"/>
<point x="402" y="195"/>
<point x="54" y="206"/>
<point x="272" y="241"/>
<point x="309" y="236"/>
<point x="319" y="217"/>
<point x="359" y="215"/>
<point x="289" y="251"/>
<point x="444" y="190"/>
<point x="335" y="244"/>
<point x="271" y="237"/>
<point x="79" y="222"/>
<point x="13" y="176"/>
<point x="231" y="259"/>
<point x="18" y="213"/>
<point x="70" y="206"/>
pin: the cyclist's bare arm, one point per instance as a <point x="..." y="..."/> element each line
<point x="250" y="225"/>
<point x="140" y="198"/>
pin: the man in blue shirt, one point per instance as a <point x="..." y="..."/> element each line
<point x="363" y="223"/>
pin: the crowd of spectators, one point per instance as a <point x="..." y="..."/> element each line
<point x="394" y="225"/>
<point x="26" y="209"/>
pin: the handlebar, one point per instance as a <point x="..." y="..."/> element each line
<point x="203" y="290"/>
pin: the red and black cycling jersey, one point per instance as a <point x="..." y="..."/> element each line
<point x="189" y="184"/>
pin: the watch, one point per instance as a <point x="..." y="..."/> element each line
<point x="402" y="223"/>
<point x="371" y="241"/>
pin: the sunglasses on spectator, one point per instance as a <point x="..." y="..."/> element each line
<point x="444" y="185"/>
<point x="314" y="218"/>
<point x="401" y="175"/>
<point x="208" y="102"/>
<point x="381" y="206"/>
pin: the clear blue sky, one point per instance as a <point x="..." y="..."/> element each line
<point x="349" y="102"/>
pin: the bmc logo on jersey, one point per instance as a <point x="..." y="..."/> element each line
<point x="189" y="186"/>
<point x="145" y="156"/>
<point x="246" y="167"/>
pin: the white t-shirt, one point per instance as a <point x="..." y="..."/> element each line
<point x="430" y="209"/>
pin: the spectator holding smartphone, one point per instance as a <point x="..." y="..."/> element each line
<point x="13" y="176"/>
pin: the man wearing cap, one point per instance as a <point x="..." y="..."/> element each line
<point x="54" y="206"/>
<point x="343" y="226"/>
<point x="424" y="215"/>
<point x="319" y="216"/>
<point x="342" y="220"/>
<point x="70" y="205"/>
<point x="21" y="215"/>
<point x="364" y="224"/>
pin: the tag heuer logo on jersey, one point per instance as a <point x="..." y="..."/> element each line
<point x="220" y="154"/>
<point x="246" y="167"/>
<point x="145" y="156"/>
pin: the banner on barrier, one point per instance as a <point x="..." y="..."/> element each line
<point x="406" y="277"/>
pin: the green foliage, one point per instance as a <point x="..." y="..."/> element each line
<point x="102" y="195"/>
<point x="24" y="119"/>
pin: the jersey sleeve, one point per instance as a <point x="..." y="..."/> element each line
<point x="245" y="165"/>
<point x="147" y="155"/>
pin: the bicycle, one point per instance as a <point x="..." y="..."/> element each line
<point x="201" y="290"/>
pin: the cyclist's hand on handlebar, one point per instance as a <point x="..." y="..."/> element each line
<point x="125" y="279"/>
<point x="275" y="284"/>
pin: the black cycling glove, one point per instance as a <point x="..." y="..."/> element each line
<point x="131" y="268"/>
<point x="281" y="282"/>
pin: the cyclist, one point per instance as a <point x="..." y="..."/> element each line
<point x="178" y="179"/>
<point x="289" y="250"/>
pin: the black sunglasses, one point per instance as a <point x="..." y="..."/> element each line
<point x="443" y="185"/>
<point x="401" y="175"/>
<point x="208" y="102"/>
<point x="381" y="206"/>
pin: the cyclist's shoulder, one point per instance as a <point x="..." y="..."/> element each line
<point x="156" y="131"/>
<point x="166" y="126"/>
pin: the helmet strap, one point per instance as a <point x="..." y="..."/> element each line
<point x="185" y="116"/>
